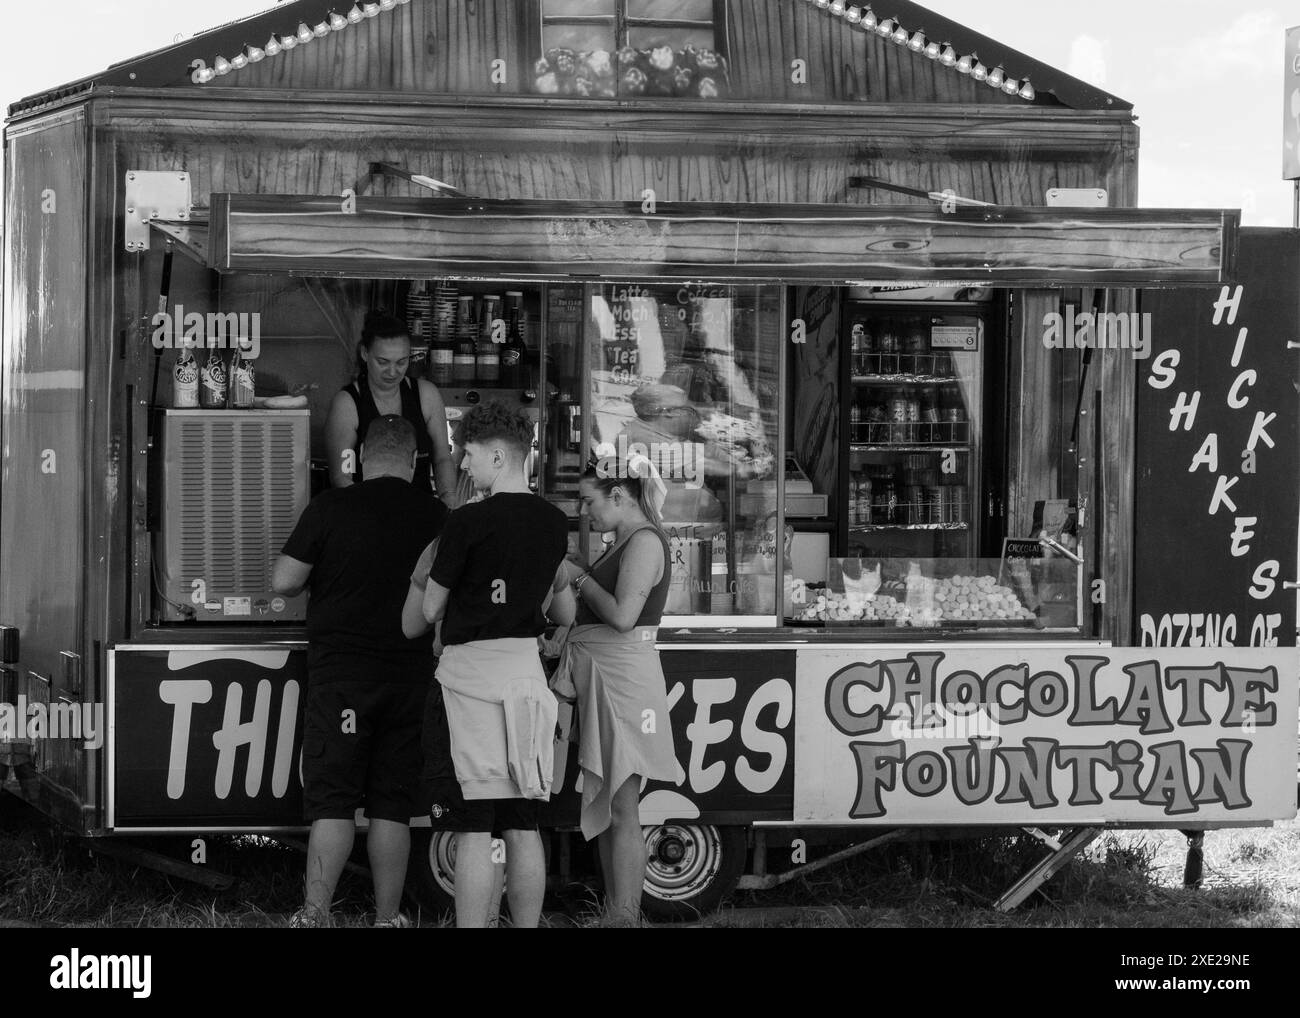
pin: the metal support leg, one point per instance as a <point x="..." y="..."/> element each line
<point x="764" y="883"/>
<point x="1195" y="858"/>
<point x="1047" y="868"/>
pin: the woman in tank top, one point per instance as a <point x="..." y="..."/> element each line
<point x="382" y="387"/>
<point x="612" y="666"/>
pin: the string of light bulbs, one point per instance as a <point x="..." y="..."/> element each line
<point x="865" y="19"/>
<point x="201" y="74"/>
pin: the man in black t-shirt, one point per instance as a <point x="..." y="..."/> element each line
<point x="367" y="682"/>
<point x="489" y="727"/>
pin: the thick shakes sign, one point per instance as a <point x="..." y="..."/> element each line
<point x="1217" y="477"/>
<point x="1018" y="735"/>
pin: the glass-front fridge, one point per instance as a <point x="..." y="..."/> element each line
<point x="914" y="420"/>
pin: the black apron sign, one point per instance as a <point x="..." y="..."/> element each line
<point x="1218" y="472"/>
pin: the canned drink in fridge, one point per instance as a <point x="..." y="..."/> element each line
<point x="958" y="510"/>
<point x="914" y="509"/>
<point x="933" y="504"/>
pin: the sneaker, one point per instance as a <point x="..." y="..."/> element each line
<point x="393" y="922"/>
<point x="309" y="917"/>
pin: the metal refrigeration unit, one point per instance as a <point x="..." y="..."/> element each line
<point x="232" y="485"/>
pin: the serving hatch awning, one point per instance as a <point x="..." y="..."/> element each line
<point x="420" y="237"/>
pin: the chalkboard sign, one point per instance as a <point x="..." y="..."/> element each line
<point x="1017" y="548"/>
<point x="1218" y="470"/>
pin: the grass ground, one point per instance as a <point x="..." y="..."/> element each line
<point x="1127" y="879"/>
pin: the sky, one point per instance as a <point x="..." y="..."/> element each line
<point x="1206" y="80"/>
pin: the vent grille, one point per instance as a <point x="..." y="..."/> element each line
<point x="234" y="485"/>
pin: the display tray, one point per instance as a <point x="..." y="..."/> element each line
<point x="949" y="625"/>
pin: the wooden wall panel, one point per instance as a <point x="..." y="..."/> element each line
<point x="501" y="154"/>
<point x="448" y="46"/>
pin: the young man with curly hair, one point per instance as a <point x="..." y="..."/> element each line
<point x="490" y="718"/>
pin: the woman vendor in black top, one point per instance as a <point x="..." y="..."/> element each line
<point x="383" y="388"/>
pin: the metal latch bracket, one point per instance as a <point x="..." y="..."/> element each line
<point x="154" y="194"/>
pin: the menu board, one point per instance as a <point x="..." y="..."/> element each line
<point x="1217" y="465"/>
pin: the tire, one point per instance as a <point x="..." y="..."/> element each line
<point x="690" y="869"/>
<point x="430" y="873"/>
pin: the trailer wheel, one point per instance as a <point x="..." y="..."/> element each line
<point x="690" y="868"/>
<point x="431" y="871"/>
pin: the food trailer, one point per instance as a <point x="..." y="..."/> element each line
<point x="982" y="480"/>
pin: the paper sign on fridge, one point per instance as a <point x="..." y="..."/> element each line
<point x="1023" y="735"/>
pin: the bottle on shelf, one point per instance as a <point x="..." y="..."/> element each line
<point x="897" y="416"/>
<point x="887" y="344"/>
<point x="212" y="381"/>
<point x="442" y="356"/>
<point x="241" y="388"/>
<point x="185" y="376"/>
<point x="514" y="352"/>
<point x="487" y="353"/>
<point x="466" y="335"/>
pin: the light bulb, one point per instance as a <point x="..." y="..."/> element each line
<point x="256" y="54"/>
<point x="370" y="10"/>
<point x="304" y="33"/>
<point x="869" y="20"/>
<point x="321" y="30"/>
<point x="289" y="42"/>
<point x="917" y="42"/>
<point x="964" y="65"/>
<point x="356" y="15"/>
<point x="337" y="21"/>
<point x="996" y="77"/>
<point x="979" y="72"/>
<point x="202" y="75"/>
<point x="900" y="35"/>
<point x="387" y="5"/>
<point x="932" y="50"/>
<point x="1027" y="92"/>
<point x="823" y="4"/>
<point x="1011" y="86"/>
<point x="886" y="28"/>
<point x="853" y="15"/>
<point x="221" y="65"/>
<point x="949" y="56"/>
<point x="272" y="46"/>
<point x="239" y="61"/>
<point x="837" y="8"/>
